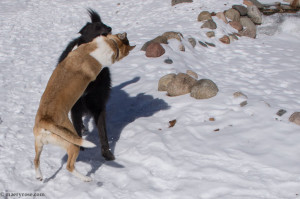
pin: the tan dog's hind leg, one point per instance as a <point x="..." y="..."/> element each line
<point x="38" y="151"/>
<point x="73" y="152"/>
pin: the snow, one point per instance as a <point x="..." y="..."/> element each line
<point x="254" y="153"/>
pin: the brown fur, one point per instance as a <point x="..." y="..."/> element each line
<point x="66" y="84"/>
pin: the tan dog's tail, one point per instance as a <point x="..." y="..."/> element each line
<point x="65" y="133"/>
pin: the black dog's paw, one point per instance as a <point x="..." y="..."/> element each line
<point x="107" y="154"/>
<point x="81" y="148"/>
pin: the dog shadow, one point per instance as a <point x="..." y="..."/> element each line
<point x="121" y="110"/>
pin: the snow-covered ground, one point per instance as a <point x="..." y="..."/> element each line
<point x="255" y="154"/>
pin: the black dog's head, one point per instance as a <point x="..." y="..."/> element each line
<point x="95" y="28"/>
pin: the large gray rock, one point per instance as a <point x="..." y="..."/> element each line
<point x="204" y="89"/>
<point x="164" y="81"/>
<point x="241" y="9"/>
<point x="249" y="27"/>
<point x="254" y="14"/>
<point x="209" y="24"/>
<point x="236" y="25"/>
<point x="180" y="85"/>
<point x="174" y="2"/>
<point x="204" y="15"/>
<point x="295" y="117"/>
<point x="232" y="14"/>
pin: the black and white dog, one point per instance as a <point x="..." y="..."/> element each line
<point x="94" y="99"/>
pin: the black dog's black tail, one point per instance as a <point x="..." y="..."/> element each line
<point x="94" y="15"/>
<point x="69" y="48"/>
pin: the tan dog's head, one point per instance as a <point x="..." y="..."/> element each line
<point x="121" y="44"/>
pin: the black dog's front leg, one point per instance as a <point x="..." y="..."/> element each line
<point x="101" y="124"/>
<point x="76" y="115"/>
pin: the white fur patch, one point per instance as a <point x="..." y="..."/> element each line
<point x="103" y="53"/>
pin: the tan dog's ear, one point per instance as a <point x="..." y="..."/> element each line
<point x="131" y="48"/>
<point x="122" y="36"/>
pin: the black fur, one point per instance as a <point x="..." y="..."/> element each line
<point x="95" y="97"/>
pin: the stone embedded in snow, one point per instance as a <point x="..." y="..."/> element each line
<point x="159" y="39"/>
<point x="225" y="39"/>
<point x="233" y="37"/>
<point x="204" y="15"/>
<point x="155" y="50"/>
<point x="210" y="34"/>
<point x="202" y="44"/>
<point x="244" y="103"/>
<point x="210" y="44"/>
<point x="221" y="16"/>
<point x="164" y="81"/>
<point x="236" y="25"/>
<point x="255" y="15"/>
<point x="168" y="61"/>
<point x="174" y="2"/>
<point x="192" y="74"/>
<point x="232" y="14"/>
<point x="192" y="42"/>
<point x="210" y="24"/>
<point x="241" y="9"/>
<point x="182" y="48"/>
<point x="173" y="35"/>
<point x="295" y="117"/>
<point x="281" y="112"/>
<point x="204" y="89"/>
<point x="239" y="94"/>
<point x="180" y="85"/>
<point x="249" y="27"/>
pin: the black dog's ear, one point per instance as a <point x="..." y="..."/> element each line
<point x="94" y="15"/>
<point x="84" y="29"/>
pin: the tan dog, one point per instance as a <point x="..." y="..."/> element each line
<point x="66" y="84"/>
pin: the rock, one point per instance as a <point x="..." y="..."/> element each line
<point x="210" y="34"/>
<point x="181" y="47"/>
<point x="174" y="2"/>
<point x="202" y="44"/>
<point x="257" y="4"/>
<point x="180" y="85"/>
<point x="204" y="89"/>
<point x="164" y="81"/>
<point x="244" y="103"/>
<point x="209" y="24"/>
<point x="232" y="14"/>
<point x="241" y="9"/>
<point x="239" y="94"/>
<point x="168" y="61"/>
<point x="155" y="50"/>
<point x="192" y="42"/>
<point x="221" y="16"/>
<point x="254" y="14"/>
<point x="225" y="39"/>
<point x="192" y="74"/>
<point x="159" y="39"/>
<point x="1" y="120"/>
<point x="248" y="3"/>
<point x="236" y="25"/>
<point x="249" y="27"/>
<point x="281" y="112"/>
<point x="210" y="44"/>
<point x="295" y="117"/>
<point x="173" y="35"/>
<point x="204" y="15"/>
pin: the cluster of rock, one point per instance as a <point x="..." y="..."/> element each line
<point x="243" y="19"/>
<point x="184" y="83"/>
<point x="295" y="117"/>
